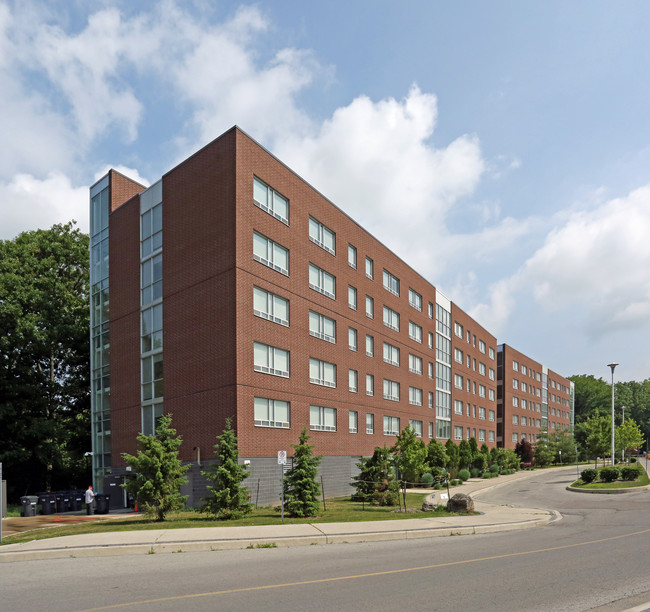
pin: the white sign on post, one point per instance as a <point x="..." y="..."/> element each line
<point x="282" y="457"/>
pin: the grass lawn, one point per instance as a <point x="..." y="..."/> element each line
<point x="338" y="511"/>
<point x="617" y="484"/>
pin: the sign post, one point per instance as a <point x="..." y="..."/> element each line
<point x="282" y="460"/>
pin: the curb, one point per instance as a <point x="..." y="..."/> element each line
<point x="608" y="491"/>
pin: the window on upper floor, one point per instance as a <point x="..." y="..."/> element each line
<point x="415" y="299"/>
<point x="270" y="201"/>
<point x="415" y="364"/>
<point x="370" y="268"/>
<point x="271" y="360"/>
<point x="352" y="297"/>
<point x="352" y="256"/>
<point x="322" y="373"/>
<point x="322" y="281"/>
<point x="270" y="306"/>
<point x="391" y="354"/>
<point x="391" y="318"/>
<point x="353" y="421"/>
<point x="270" y="253"/>
<point x="370" y="307"/>
<point x="391" y="390"/>
<point x="391" y="283"/>
<point x="415" y="332"/>
<point x="322" y="327"/>
<point x="322" y="235"/>
<point x="271" y="413"/>
<point x="322" y="418"/>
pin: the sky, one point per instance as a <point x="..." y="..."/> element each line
<point x="502" y="149"/>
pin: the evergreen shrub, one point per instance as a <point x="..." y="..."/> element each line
<point x="609" y="474"/>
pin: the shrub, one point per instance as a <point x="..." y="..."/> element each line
<point x="426" y="479"/>
<point x="474" y="472"/>
<point x="588" y="475"/>
<point x="437" y="487"/>
<point x="494" y="468"/>
<point x="631" y="472"/>
<point x="609" y="474"/>
<point x="463" y="475"/>
<point x="632" y="459"/>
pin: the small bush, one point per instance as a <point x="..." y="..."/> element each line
<point x="588" y="475"/>
<point x="474" y="472"/>
<point x="489" y="475"/>
<point x="609" y="474"/>
<point x="494" y="468"/>
<point x="426" y="479"/>
<point x="632" y="459"/>
<point x="630" y="472"/>
<point x="438" y="486"/>
<point x="463" y="475"/>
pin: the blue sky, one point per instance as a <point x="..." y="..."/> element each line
<point x="502" y="149"/>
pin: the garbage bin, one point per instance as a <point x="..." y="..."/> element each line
<point x="29" y="505"/>
<point x="76" y="500"/>
<point x="62" y="501"/>
<point x="47" y="501"/>
<point x="102" y="503"/>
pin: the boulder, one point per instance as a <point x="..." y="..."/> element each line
<point x="429" y="502"/>
<point x="460" y="502"/>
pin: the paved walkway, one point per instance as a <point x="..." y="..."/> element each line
<point x="491" y="518"/>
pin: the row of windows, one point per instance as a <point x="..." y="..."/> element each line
<point x="472" y="412"/>
<point x="471" y="387"/>
<point x="474" y="365"/>
<point x="471" y="339"/>
<point x="458" y="434"/>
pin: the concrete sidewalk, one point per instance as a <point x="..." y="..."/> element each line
<point x="491" y="518"/>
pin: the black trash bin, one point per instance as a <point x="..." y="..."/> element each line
<point x="29" y="505"/>
<point x="76" y="500"/>
<point x="102" y="503"/>
<point x="47" y="501"/>
<point x="62" y="502"/>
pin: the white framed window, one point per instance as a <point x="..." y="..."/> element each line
<point x="515" y="437"/>
<point x="152" y="377"/>
<point x="270" y="201"/>
<point x="458" y="407"/>
<point x="481" y="346"/>
<point x="270" y="253"/>
<point x="491" y="436"/>
<point x="443" y="429"/>
<point x="370" y="307"/>
<point x="271" y="413"/>
<point x="523" y="370"/>
<point x="491" y="373"/>
<point x="352" y="256"/>
<point x="524" y="404"/>
<point x="391" y="318"/>
<point x="322" y="235"/>
<point x="391" y="354"/>
<point x="415" y="299"/>
<point x="458" y="432"/>
<point x="430" y="430"/>
<point x="391" y="426"/>
<point x="523" y="421"/>
<point x="458" y="329"/>
<point x="515" y="383"/>
<point x="370" y="385"/>
<point x="481" y="368"/>
<point x="458" y="381"/>
<point x="370" y="346"/>
<point x="270" y="306"/>
<point x="391" y="283"/>
<point x="352" y="297"/>
<point x="322" y="418"/>
<point x="458" y="355"/>
<point x="430" y="337"/>
<point x="481" y="390"/>
<point x="515" y="402"/>
<point x="431" y="399"/>
<point x="415" y="396"/>
<point x="415" y="364"/>
<point x="322" y="373"/>
<point x="322" y="281"/>
<point x="151" y="334"/>
<point x="353" y="421"/>
<point x="270" y="360"/>
<point x="491" y="415"/>
<point x="322" y="327"/>
<point x="415" y="332"/>
<point x="491" y="394"/>
<point x="481" y="435"/>
<point x="491" y="355"/>
<point x="150" y="417"/>
<point x="353" y="381"/>
<point x="370" y="268"/>
<point x="370" y="423"/>
<point x="151" y="280"/>
<point x="416" y="426"/>
<point x="352" y="339"/>
<point x="515" y="419"/>
<point x="481" y="413"/>
<point x="391" y="390"/>
<point x="515" y="366"/>
<point x="430" y="310"/>
<point x="431" y="370"/>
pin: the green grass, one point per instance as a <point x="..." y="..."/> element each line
<point x="641" y="481"/>
<point x="338" y="511"/>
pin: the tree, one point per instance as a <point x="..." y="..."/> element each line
<point x="44" y="360"/>
<point x="564" y="442"/>
<point x="158" y="471"/>
<point x="628" y="436"/>
<point x="524" y="451"/>
<point x="544" y="449"/>
<point x="593" y="396"/>
<point x="465" y="454"/>
<point x="598" y="436"/>
<point x="301" y="490"/>
<point x="228" y="499"/>
<point x="454" y="458"/>
<point x="376" y="480"/>
<point x="410" y="455"/>
<point x="437" y="454"/>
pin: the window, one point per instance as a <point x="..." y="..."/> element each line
<point x="270" y="201"/>
<point x="391" y="318"/>
<point x="490" y="436"/>
<point x="322" y="418"/>
<point x="322" y="373"/>
<point x="270" y="253"/>
<point x="458" y="329"/>
<point x="430" y="310"/>
<point x="431" y="400"/>
<point x="430" y="430"/>
<point x="391" y="426"/>
<point x="322" y="236"/>
<point x="353" y="421"/>
<point x="391" y="390"/>
<point x="271" y="360"/>
<point x="458" y="407"/>
<point x="370" y="346"/>
<point x="430" y="336"/>
<point x="370" y="423"/>
<point x="152" y="377"/>
<point x="415" y="396"/>
<point x="322" y="327"/>
<point x="352" y="297"/>
<point x="151" y="279"/>
<point x="515" y="402"/>
<point x="458" y="355"/>
<point x="515" y="419"/>
<point x="370" y="384"/>
<point x="491" y="373"/>
<point x="270" y="306"/>
<point x="491" y="354"/>
<point x="353" y="381"/>
<point x="391" y="354"/>
<point x="150" y="416"/>
<point x="458" y="433"/>
<point x="443" y="429"/>
<point x="370" y="268"/>
<point x="491" y="415"/>
<point x="271" y="413"/>
<point x="416" y="426"/>
<point x="415" y="332"/>
<point x="523" y="370"/>
<point x="481" y="346"/>
<point x="515" y="437"/>
<point x="515" y="366"/>
<point x="415" y="299"/>
<point x="481" y="390"/>
<point x="523" y="420"/>
<point x="431" y="370"/>
<point x="322" y="281"/>
<point x="481" y="435"/>
<point x="481" y="369"/>
<point x="515" y="383"/>
<point x="370" y="307"/>
<point x="491" y="394"/>
<point x="481" y="413"/>
<point x="443" y="349"/>
<point x="352" y="256"/>
<point x="415" y="364"/>
<point x="391" y="283"/>
<point x="352" y="339"/>
<point x="458" y="381"/>
<point x="151" y="330"/>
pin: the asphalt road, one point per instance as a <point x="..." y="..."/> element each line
<point x="596" y="558"/>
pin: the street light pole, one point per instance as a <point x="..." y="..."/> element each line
<point x="613" y="367"/>
<point x="623" y="421"/>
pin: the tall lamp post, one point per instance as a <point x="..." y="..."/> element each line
<point x="613" y="367"/>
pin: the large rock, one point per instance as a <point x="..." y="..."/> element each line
<point x="429" y="502"/>
<point x="460" y="503"/>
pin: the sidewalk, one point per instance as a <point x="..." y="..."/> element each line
<point x="491" y="518"/>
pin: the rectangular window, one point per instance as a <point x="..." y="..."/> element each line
<point x="481" y="390"/>
<point x="491" y="354"/>
<point x="150" y="416"/>
<point x="353" y="421"/>
<point x="270" y="253"/>
<point x="370" y="307"/>
<point x="322" y="281"/>
<point x="515" y="366"/>
<point x="391" y="318"/>
<point x="352" y="339"/>
<point x="391" y="390"/>
<point x="322" y="418"/>
<point x="151" y="279"/>
<point x="322" y="236"/>
<point x="430" y="336"/>
<point x="416" y="426"/>
<point x="515" y="437"/>
<point x="491" y="415"/>
<point x="271" y="413"/>
<point x="415" y="364"/>
<point x="481" y="413"/>
<point x="352" y="297"/>
<point x="391" y="283"/>
<point x="353" y="381"/>
<point x="431" y="370"/>
<point x="370" y="384"/>
<point x="481" y="435"/>
<point x="515" y="419"/>
<point x="430" y="430"/>
<point x="152" y="377"/>
<point x="491" y="373"/>
<point x="515" y="402"/>
<point x="481" y="346"/>
<point x="370" y="346"/>
<point x="430" y="310"/>
<point x="370" y="423"/>
<point x="322" y="373"/>
<point x="458" y="355"/>
<point x="270" y="201"/>
<point x="391" y="426"/>
<point x="491" y="394"/>
<point x="352" y="256"/>
<point x="370" y="268"/>
<point x="415" y="396"/>
<point x="270" y="306"/>
<point x="151" y="330"/>
<point x="458" y="433"/>
<point x="391" y="354"/>
<point x="523" y="370"/>
<point x="491" y="436"/>
<point x="458" y="381"/>
<point x="431" y="400"/>
<point x="270" y="360"/>
<point x="515" y="383"/>
<point x="443" y="429"/>
<point x="322" y="327"/>
<point x="523" y="420"/>
<point x="458" y="329"/>
<point x="415" y="332"/>
<point x="415" y="299"/>
<point x="481" y="369"/>
<point x="458" y="407"/>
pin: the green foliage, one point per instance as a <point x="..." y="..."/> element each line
<point x="494" y="468"/>
<point x="609" y="474"/>
<point x="228" y="499"/>
<point x="464" y="474"/>
<point x="465" y="454"/>
<point x="437" y="454"/>
<point x="427" y="479"/>
<point x="598" y="434"/>
<point x="454" y="457"/>
<point x="44" y="360"/>
<point x="628" y="436"/>
<point x="473" y="446"/>
<point x="631" y="472"/>
<point x="565" y="442"/>
<point x="588" y="475"/>
<point x="474" y="472"/>
<point x="410" y="454"/>
<point x="158" y="471"/>
<point x="544" y="449"/>
<point x="485" y="450"/>
<point x="480" y="462"/>
<point x="593" y="396"/>
<point x="301" y="489"/>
